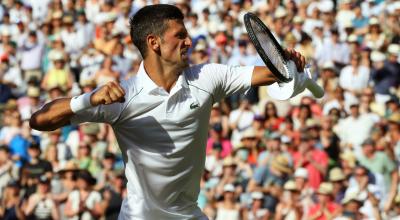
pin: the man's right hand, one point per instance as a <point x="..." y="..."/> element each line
<point x="109" y="93"/>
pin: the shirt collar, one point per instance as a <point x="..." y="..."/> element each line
<point x="150" y="87"/>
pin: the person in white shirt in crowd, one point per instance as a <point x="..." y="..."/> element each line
<point x="354" y="129"/>
<point x="240" y="120"/>
<point x="160" y="117"/>
<point x="354" y="78"/>
<point x="332" y="49"/>
<point x="31" y="50"/>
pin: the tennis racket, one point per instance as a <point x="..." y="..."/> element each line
<point x="274" y="56"/>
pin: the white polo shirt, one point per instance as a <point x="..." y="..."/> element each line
<point x="163" y="137"/>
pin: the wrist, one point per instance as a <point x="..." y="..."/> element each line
<point x="81" y="102"/>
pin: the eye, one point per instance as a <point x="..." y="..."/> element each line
<point x="182" y="35"/>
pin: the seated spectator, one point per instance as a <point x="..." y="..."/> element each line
<point x="326" y="208"/>
<point x="228" y="208"/>
<point x="289" y="206"/>
<point x="40" y="204"/>
<point x="34" y="169"/>
<point x="11" y="202"/>
<point x="6" y="166"/>
<point x="217" y="137"/>
<point x="354" y="77"/>
<point x="106" y="73"/>
<point x="84" y="202"/>
<point x="59" y="75"/>
<point x="313" y="159"/>
<point x="256" y="210"/>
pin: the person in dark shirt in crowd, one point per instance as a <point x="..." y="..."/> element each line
<point x="112" y="197"/>
<point x="35" y="168"/>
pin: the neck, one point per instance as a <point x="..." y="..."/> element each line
<point x="162" y="73"/>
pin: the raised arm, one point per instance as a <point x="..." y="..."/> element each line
<point x="58" y="113"/>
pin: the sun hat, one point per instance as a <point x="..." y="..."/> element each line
<point x="325" y="188"/>
<point x="336" y="174"/>
<point x="281" y="164"/>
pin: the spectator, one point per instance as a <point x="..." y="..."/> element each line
<point x="313" y="159"/>
<point x="84" y="202"/>
<point x="6" y="166"/>
<point x="228" y="208"/>
<point x="354" y="77"/>
<point x="40" y="205"/>
<point x="289" y="207"/>
<point x="326" y="208"/>
<point x="11" y="202"/>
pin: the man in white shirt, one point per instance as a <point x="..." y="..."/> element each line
<point x="160" y="116"/>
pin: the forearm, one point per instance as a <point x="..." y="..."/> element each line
<point x="52" y="115"/>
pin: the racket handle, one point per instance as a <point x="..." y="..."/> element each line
<point x="315" y="89"/>
<point x="312" y="86"/>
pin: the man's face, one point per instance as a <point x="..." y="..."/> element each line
<point x="175" y="44"/>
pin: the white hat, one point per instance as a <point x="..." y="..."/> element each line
<point x="280" y="12"/>
<point x="301" y="173"/>
<point x="229" y="188"/>
<point x="352" y="38"/>
<point x="373" y="21"/>
<point x="328" y="65"/>
<point x="5" y="32"/>
<point x="249" y="133"/>
<point x="297" y="19"/>
<point x="56" y="55"/>
<point x="325" y="6"/>
<point x="394" y="49"/>
<point x="257" y="195"/>
<point x="377" y="56"/>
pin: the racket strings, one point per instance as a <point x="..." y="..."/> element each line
<point x="270" y="49"/>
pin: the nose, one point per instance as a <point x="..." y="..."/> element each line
<point x="188" y="41"/>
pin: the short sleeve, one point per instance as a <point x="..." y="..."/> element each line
<point x="222" y="80"/>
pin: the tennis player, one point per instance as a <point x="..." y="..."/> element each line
<point x="160" y="116"/>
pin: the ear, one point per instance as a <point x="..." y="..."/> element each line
<point x="153" y="43"/>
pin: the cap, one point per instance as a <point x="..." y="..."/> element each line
<point x="336" y="174"/>
<point x="394" y="49"/>
<point x="86" y="176"/>
<point x="373" y="21"/>
<point x="13" y="183"/>
<point x="249" y="133"/>
<point x="229" y="188"/>
<point x="56" y="55"/>
<point x="368" y="141"/>
<point x="34" y="145"/>
<point x="33" y="92"/>
<point x="325" y="6"/>
<point x="44" y="179"/>
<point x="377" y="56"/>
<point x="109" y="155"/>
<point x="328" y="65"/>
<point x="352" y="38"/>
<point x="301" y="173"/>
<point x="257" y="195"/>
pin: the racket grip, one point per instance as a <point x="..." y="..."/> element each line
<point x="314" y="88"/>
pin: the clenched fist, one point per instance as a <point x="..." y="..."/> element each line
<point x="107" y="94"/>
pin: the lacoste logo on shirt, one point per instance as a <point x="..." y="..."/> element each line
<point x="194" y="105"/>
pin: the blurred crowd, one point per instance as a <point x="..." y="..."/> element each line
<point x="333" y="158"/>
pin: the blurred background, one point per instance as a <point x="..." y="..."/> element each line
<point x="333" y="158"/>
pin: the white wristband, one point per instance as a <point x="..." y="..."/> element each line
<point x="81" y="102"/>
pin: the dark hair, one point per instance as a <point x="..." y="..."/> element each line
<point x="151" y="19"/>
